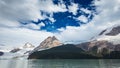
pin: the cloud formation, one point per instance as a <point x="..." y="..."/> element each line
<point x="73" y="8"/>
<point x="108" y="16"/>
<point x="26" y="10"/>
<point x="13" y="33"/>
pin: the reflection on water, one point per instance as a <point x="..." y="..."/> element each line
<point x="77" y="63"/>
<point x="4" y="63"/>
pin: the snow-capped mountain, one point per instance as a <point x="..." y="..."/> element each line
<point x="107" y="41"/>
<point x="111" y="35"/>
<point x="22" y="51"/>
<point x="28" y="45"/>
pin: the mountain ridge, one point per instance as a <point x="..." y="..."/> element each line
<point x="96" y="48"/>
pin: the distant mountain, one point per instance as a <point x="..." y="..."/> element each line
<point x="115" y="30"/>
<point x="18" y="52"/>
<point x="48" y="43"/>
<point x="15" y="50"/>
<point x="105" y="45"/>
<point x="28" y="45"/>
<point x="24" y="49"/>
<point x="111" y="35"/>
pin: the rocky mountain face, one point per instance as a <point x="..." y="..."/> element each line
<point x="88" y="46"/>
<point x="114" y="31"/>
<point x="15" y="50"/>
<point x="105" y="45"/>
<point x="49" y="42"/>
<point x="107" y="42"/>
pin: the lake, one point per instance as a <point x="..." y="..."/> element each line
<point x="61" y="63"/>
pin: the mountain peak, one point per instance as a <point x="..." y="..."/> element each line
<point x="49" y="37"/>
<point x="115" y="30"/>
<point x="111" y="35"/>
<point x="49" y="42"/>
<point x="54" y="38"/>
<point x="28" y="45"/>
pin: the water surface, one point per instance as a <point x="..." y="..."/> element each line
<point x="62" y="63"/>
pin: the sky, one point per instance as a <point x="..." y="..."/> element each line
<point x="32" y="21"/>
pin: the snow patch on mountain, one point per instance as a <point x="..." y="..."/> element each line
<point x="20" y="52"/>
<point x="111" y="34"/>
<point x="114" y="39"/>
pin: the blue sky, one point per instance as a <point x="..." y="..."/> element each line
<point x="69" y="20"/>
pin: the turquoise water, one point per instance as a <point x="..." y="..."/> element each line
<point x="63" y="63"/>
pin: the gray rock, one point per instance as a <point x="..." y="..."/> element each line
<point x="1" y="53"/>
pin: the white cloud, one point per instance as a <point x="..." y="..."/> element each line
<point x="25" y="10"/>
<point x="50" y="7"/>
<point x="51" y="19"/>
<point x="83" y="33"/>
<point x="109" y="15"/>
<point x="8" y="23"/>
<point x="41" y="24"/>
<point x="32" y="26"/>
<point x="19" y="10"/>
<point x="73" y="8"/>
<point x="85" y="10"/>
<point x="83" y="18"/>
<point x="19" y="36"/>
<point x="13" y="11"/>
